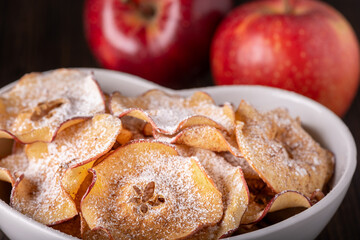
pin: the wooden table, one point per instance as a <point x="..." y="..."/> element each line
<point x="42" y="35"/>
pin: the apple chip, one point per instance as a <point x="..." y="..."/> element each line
<point x="261" y="197"/>
<point x="42" y="198"/>
<point x="42" y="104"/>
<point x="12" y="166"/>
<point x="205" y="137"/>
<point x="94" y="139"/>
<point x="281" y="152"/>
<point x="231" y="183"/>
<point x="145" y="190"/>
<point x="319" y="162"/>
<point x="56" y="170"/>
<point x="169" y="114"/>
<point x="258" y="208"/>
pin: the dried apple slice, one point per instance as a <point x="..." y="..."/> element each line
<point x="6" y="160"/>
<point x="94" y="139"/>
<point x="42" y="198"/>
<point x="261" y="198"/>
<point x="169" y="114"/>
<point x="42" y="104"/>
<point x="56" y="170"/>
<point x="231" y="183"/>
<point x="205" y="137"/>
<point x="281" y="152"/>
<point x="12" y="166"/>
<point x="283" y="200"/>
<point x="145" y="190"/>
<point x="318" y="162"/>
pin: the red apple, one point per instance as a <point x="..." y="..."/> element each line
<point x="165" y="41"/>
<point x="302" y="45"/>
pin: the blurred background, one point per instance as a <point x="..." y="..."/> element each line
<point x="38" y="35"/>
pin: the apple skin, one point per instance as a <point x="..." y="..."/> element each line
<point x="165" y="41"/>
<point x="303" y="46"/>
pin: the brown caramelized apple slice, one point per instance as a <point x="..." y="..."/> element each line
<point x="42" y="104"/>
<point x="145" y="190"/>
<point x="284" y="155"/>
<point x="168" y="114"/>
<point x="56" y="170"/>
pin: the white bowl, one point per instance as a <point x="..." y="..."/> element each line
<point x="324" y="125"/>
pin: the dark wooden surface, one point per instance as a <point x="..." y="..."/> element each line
<point x="38" y="35"/>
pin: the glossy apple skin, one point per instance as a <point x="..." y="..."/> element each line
<point x="169" y="48"/>
<point x="310" y="49"/>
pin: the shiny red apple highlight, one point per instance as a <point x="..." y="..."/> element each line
<point x="165" y="41"/>
<point x="302" y="45"/>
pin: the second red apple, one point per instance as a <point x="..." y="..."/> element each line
<point x="301" y="45"/>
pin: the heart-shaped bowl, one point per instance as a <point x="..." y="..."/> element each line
<point x="322" y="124"/>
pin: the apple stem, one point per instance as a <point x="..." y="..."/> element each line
<point x="289" y="8"/>
<point x="146" y="10"/>
<point x="134" y="2"/>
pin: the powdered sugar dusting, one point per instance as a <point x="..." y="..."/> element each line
<point x="77" y="144"/>
<point x="170" y="112"/>
<point x="40" y="193"/>
<point x="16" y="163"/>
<point x="215" y="166"/>
<point x="188" y="204"/>
<point x="283" y="154"/>
<point x="228" y="179"/>
<point x="75" y="93"/>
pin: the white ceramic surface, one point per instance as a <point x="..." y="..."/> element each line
<point x="325" y="126"/>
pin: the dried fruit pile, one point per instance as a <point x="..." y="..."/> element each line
<point x="156" y="166"/>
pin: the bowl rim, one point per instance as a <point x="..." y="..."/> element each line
<point x="344" y="180"/>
